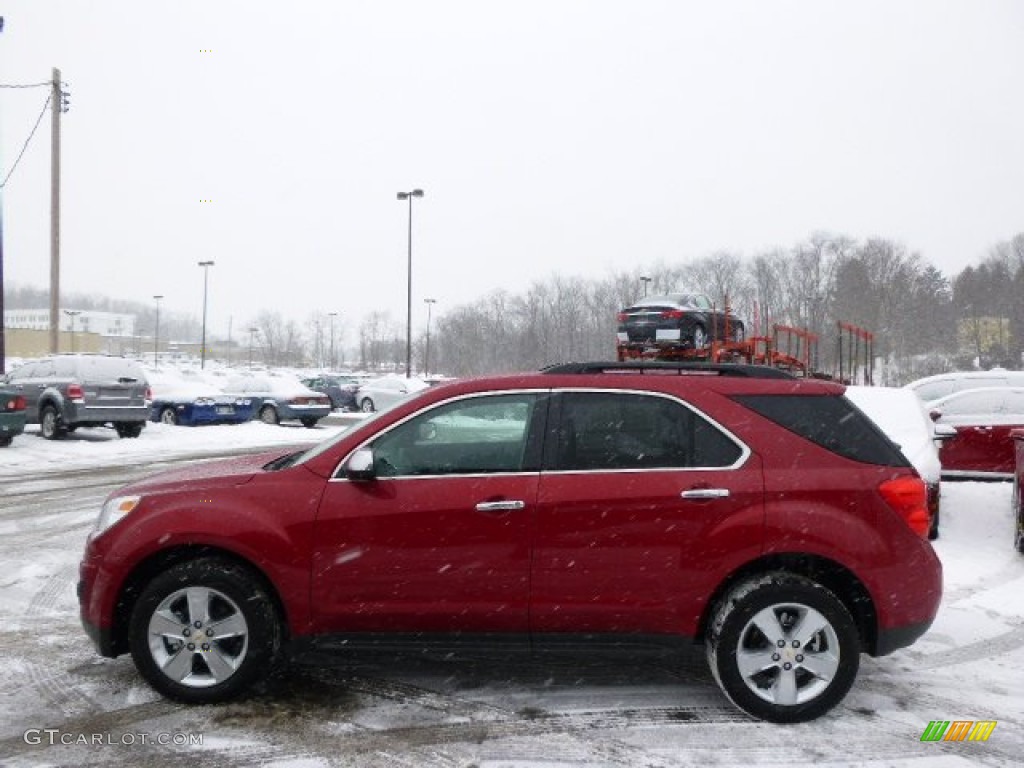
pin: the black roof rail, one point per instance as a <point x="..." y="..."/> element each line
<point x="663" y="367"/>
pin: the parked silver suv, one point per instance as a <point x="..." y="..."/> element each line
<point x="65" y="392"/>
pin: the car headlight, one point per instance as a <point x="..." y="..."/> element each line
<point x="114" y="511"/>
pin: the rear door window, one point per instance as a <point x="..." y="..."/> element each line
<point x="619" y="431"/>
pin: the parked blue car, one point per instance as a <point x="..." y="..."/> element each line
<point x="191" y="404"/>
<point x="278" y="399"/>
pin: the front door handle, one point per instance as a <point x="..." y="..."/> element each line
<point x="500" y="506"/>
<point x="705" y="493"/>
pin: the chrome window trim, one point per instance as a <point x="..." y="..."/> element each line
<point x="745" y="451"/>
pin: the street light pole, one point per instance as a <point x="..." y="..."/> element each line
<point x="72" y="313"/>
<point x="408" y="308"/>
<point x="645" y="281"/>
<point x="206" y="274"/>
<point x="332" y="315"/>
<point x="156" y="336"/>
<point x="426" y="361"/>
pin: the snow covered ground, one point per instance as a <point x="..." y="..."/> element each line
<point x="60" y="704"/>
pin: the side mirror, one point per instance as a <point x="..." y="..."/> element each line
<point x="359" y="467"/>
<point x="934" y="414"/>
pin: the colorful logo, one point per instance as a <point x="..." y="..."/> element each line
<point x="959" y="730"/>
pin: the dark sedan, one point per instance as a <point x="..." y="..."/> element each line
<point x="678" y="321"/>
<point x="340" y="389"/>
<point x="12" y="415"/>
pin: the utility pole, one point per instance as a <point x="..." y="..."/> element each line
<point x="3" y="348"/>
<point x="56" y="107"/>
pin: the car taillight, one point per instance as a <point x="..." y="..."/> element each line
<point x="17" y="404"/>
<point x="673" y="314"/>
<point x="75" y="392"/>
<point x="622" y="317"/>
<point x="908" y="497"/>
<point x="149" y="393"/>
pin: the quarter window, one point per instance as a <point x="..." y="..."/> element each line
<point x="481" y="435"/>
<point x="608" y="431"/>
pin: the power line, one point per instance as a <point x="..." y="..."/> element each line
<point x="27" y="141"/>
<point x="25" y="85"/>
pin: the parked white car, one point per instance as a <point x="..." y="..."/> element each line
<point x="380" y="394"/>
<point x="932" y="388"/>
<point x="904" y="419"/>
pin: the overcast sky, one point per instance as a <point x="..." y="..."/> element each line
<point x="549" y="136"/>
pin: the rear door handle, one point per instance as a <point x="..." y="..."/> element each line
<point x="500" y="506"/>
<point x="705" y="493"/>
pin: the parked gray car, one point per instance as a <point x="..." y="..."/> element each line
<point x="65" y="392"/>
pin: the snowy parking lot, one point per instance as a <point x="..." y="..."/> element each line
<point x="64" y="705"/>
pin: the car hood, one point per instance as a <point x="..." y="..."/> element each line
<point x="218" y="472"/>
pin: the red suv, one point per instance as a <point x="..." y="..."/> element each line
<point x="584" y="506"/>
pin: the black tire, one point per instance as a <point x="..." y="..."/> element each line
<point x="6" y="440"/>
<point x="268" y="415"/>
<point x="755" y="671"/>
<point x="309" y="422"/>
<point x="128" y="429"/>
<point x="50" y="423"/>
<point x="933" y="528"/>
<point x="163" y="628"/>
<point x="169" y="416"/>
<point x="700" y="336"/>
<point x="1018" y="539"/>
<point x="367" y="406"/>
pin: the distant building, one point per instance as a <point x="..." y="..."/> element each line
<point x="87" y="321"/>
<point x="26" y="332"/>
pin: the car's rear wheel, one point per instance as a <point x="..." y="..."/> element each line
<point x="49" y="423"/>
<point x="783" y="648"/>
<point x="309" y="422"/>
<point x="204" y="631"/>
<point x="169" y="416"/>
<point x="128" y="429"/>
<point x="5" y="441"/>
<point x="700" y="337"/>
<point x="366" y="406"/>
<point x="268" y="414"/>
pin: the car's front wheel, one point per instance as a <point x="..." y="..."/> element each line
<point x="169" y="416"/>
<point x="700" y="337"/>
<point x="783" y="648"/>
<point x="366" y="406"/>
<point x="268" y="414"/>
<point x="204" y="631"/>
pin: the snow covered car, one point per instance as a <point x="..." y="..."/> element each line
<point x="278" y="398"/>
<point x="384" y="392"/>
<point x="192" y="403"/>
<point x="901" y="415"/>
<point x="983" y="419"/>
<point x="12" y="415"/>
<point x="760" y="515"/>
